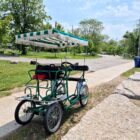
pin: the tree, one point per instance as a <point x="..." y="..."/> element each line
<point x="90" y="46"/>
<point x="47" y="26"/>
<point x="91" y="29"/>
<point x="113" y="45"/>
<point x="131" y="42"/>
<point x="5" y="29"/>
<point x="59" y="27"/>
<point x="28" y="15"/>
<point x="78" y="48"/>
<point x="92" y="49"/>
<point x="76" y="32"/>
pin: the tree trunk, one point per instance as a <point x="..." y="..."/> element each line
<point x="24" y="52"/>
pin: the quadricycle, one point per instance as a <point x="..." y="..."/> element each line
<point x="57" y="97"/>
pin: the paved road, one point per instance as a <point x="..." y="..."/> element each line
<point x="94" y="64"/>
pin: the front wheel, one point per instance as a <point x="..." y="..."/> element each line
<point x="84" y="95"/>
<point x="53" y="117"/>
<point x="23" y="114"/>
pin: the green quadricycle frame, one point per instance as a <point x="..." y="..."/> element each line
<point x="57" y="97"/>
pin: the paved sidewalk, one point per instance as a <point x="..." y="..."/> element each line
<point x="8" y="104"/>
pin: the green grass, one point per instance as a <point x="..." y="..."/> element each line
<point x="9" y="51"/>
<point x="130" y="72"/>
<point x="49" y="55"/>
<point x="60" y="55"/>
<point x="13" y="75"/>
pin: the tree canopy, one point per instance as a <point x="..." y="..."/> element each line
<point x="27" y="15"/>
<point x="5" y="29"/>
<point x="90" y="27"/>
<point x="131" y="42"/>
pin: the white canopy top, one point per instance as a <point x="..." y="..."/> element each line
<point x="50" y="38"/>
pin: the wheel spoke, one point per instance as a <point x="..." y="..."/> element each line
<point x="53" y="117"/>
<point x="84" y="96"/>
<point x="23" y="112"/>
<point x="23" y="115"/>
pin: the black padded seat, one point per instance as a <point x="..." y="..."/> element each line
<point x="80" y="68"/>
<point x="75" y="79"/>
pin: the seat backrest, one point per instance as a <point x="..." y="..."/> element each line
<point x="80" y="68"/>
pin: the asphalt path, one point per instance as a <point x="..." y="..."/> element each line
<point x="105" y="61"/>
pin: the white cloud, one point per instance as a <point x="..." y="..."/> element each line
<point x="72" y="0"/>
<point x="123" y="10"/>
<point x="116" y="31"/>
<point x="87" y="4"/>
<point x="136" y="5"/>
<point x="118" y="11"/>
<point x="66" y="25"/>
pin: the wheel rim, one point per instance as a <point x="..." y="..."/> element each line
<point x="84" y="96"/>
<point x="24" y="113"/>
<point x="54" y="118"/>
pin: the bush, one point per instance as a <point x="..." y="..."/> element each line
<point x="93" y="53"/>
<point x="1" y="52"/>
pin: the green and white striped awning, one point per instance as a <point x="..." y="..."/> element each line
<point x="50" y="38"/>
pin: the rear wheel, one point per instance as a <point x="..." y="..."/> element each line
<point x="23" y="113"/>
<point x="84" y="92"/>
<point x="53" y="117"/>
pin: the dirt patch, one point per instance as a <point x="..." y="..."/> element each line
<point x="35" y="130"/>
<point x="136" y="102"/>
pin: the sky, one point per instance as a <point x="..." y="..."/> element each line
<point x="117" y="16"/>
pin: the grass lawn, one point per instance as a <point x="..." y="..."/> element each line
<point x="131" y="72"/>
<point x="59" y="55"/>
<point x="49" y="55"/>
<point x="13" y="75"/>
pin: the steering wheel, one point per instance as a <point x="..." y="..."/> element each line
<point x="67" y="65"/>
<point x="52" y="65"/>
